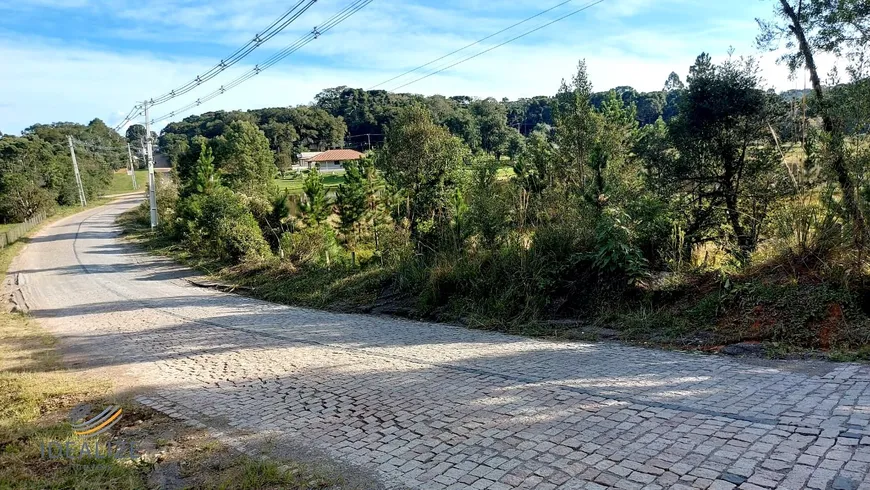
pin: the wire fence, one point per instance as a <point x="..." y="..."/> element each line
<point x="15" y="232"/>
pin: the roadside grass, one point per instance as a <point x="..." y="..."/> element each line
<point x="37" y="392"/>
<point x="123" y="183"/>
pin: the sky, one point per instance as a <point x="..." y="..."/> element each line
<point x="75" y="60"/>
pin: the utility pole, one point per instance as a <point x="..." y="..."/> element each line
<point x="72" y="151"/>
<point x="370" y="141"/>
<point x="132" y="167"/>
<point x="149" y="157"/>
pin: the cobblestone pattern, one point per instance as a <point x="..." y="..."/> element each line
<point x="433" y="406"/>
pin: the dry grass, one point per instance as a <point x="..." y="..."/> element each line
<point x="37" y="392"/>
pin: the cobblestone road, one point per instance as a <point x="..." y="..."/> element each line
<point x="433" y="406"/>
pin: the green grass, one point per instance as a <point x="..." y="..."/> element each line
<point x="122" y="183"/>
<point x="331" y="181"/>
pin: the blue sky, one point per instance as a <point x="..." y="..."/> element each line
<point x="73" y="60"/>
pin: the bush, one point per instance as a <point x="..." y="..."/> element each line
<point x="615" y="251"/>
<point x="395" y="246"/>
<point x="219" y="224"/>
<point x="490" y="204"/>
<point x="21" y="198"/>
<point x="313" y="245"/>
<point x="167" y="202"/>
<point x="805" y="228"/>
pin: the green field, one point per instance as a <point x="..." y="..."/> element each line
<point x="331" y="181"/>
<point x="121" y="182"/>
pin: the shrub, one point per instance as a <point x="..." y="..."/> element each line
<point x="805" y="227"/>
<point x="395" y="246"/>
<point x="313" y="245"/>
<point x="615" y="251"/>
<point x="219" y="224"/>
<point x="167" y="202"/>
<point x="21" y="198"/>
<point x="490" y="204"/>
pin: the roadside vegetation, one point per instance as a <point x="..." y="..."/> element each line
<point x="36" y="171"/>
<point x="37" y="392"/>
<point x="738" y="216"/>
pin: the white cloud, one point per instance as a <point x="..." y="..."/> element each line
<point x="52" y="81"/>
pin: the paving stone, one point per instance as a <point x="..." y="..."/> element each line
<point x="435" y="406"/>
<point x="841" y="483"/>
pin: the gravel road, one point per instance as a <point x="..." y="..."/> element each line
<point x="424" y="405"/>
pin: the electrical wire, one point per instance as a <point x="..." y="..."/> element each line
<point x="585" y="7"/>
<point x="315" y="33"/>
<point x="554" y="7"/>
<point x="259" y="39"/>
<point x="97" y="147"/>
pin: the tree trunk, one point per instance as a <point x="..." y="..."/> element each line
<point x="847" y="186"/>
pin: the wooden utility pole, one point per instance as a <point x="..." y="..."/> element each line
<point x="132" y="167"/>
<point x="72" y="151"/>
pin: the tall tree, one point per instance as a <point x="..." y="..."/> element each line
<point x="491" y="119"/>
<point x="315" y="207"/>
<point x="135" y="134"/>
<point x="350" y="201"/>
<point x="722" y="147"/>
<point x="205" y="178"/>
<point x="425" y="162"/>
<point x="575" y="126"/>
<point x="244" y="159"/>
<point x="615" y="137"/>
<point x="822" y="26"/>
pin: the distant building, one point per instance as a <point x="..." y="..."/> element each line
<point x="326" y="161"/>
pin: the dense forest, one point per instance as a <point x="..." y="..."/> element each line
<point x="36" y="171"/>
<point x="359" y="119"/>
<point x="712" y="212"/>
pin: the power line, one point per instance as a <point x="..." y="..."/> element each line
<point x="315" y="33"/>
<point x="260" y="38"/>
<point x="554" y="7"/>
<point x="585" y="7"/>
<point x="95" y="147"/>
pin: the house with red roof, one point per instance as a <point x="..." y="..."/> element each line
<point x="326" y="161"/>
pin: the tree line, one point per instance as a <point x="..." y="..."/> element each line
<point x="36" y="171"/>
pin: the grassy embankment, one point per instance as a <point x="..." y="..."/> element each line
<point x="37" y="392"/>
<point x="786" y="307"/>
<point x="123" y="183"/>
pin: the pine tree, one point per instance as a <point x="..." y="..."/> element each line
<point x="351" y="202"/>
<point x="315" y="207"/>
<point x="205" y="177"/>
